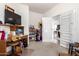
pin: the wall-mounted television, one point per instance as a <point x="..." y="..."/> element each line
<point x="17" y="19"/>
<point x="12" y="18"/>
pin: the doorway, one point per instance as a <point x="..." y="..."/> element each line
<point x="51" y="29"/>
<point x="56" y="26"/>
<point x="35" y="34"/>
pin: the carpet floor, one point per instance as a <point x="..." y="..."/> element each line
<point x="42" y="49"/>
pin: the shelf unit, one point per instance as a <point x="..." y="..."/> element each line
<point x="32" y="33"/>
<point x="6" y="46"/>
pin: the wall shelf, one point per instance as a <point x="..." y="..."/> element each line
<point x="11" y="25"/>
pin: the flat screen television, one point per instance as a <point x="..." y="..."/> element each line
<point x="17" y="19"/>
<point x="12" y="18"/>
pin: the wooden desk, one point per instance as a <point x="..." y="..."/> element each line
<point x="23" y="39"/>
<point x="5" y="44"/>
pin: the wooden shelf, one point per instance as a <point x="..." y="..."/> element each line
<point x="11" y="25"/>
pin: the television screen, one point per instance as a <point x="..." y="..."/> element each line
<point x="9" y="17"/>
<point x="17" y="19"/>
<point x="12" y="18"/>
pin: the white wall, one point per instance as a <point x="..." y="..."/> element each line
<point x="2" y="6"/>
<point x="65" y="7"/>
<point x="35" y="18"/>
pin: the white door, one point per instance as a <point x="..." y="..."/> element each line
<point x="47" y="30"/>
<point x="65" y="28"/>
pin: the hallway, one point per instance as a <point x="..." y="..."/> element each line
<point x="42" y="49"/>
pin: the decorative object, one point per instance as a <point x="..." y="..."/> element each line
<point x="2" y="35"/>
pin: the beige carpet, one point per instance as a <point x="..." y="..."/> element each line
<point x="42" y="49"/>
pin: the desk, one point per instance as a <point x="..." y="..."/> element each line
<point x="23" y="39"/>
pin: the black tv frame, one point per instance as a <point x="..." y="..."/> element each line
<point x="16" y="19"/>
